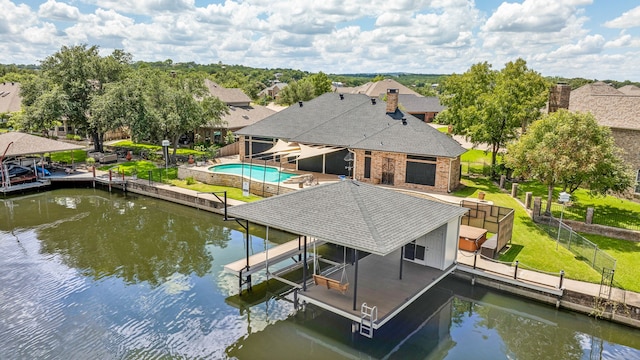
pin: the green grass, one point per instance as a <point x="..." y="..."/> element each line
<point x="137" y="147"/>
<point x="232" y="193"/>
<point x="608" y="210"/>
<point x="65" y="156"/>
<point x="627" y="255"/>
<point x="531" y="246"/>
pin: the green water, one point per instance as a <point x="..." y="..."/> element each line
<point x="85" y="274"/>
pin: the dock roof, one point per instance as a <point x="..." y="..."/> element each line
<point x="352" y="214"/>
<point x="25" y="144"/>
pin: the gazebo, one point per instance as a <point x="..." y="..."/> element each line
<point x="403" y="245"/>
<point x="13" y="144"/>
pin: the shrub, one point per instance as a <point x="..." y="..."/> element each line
<point x="90" y="161"/>
<point x="77" y="137"/>
<point x="190" y="180"/>
<point x="69" y="136"/>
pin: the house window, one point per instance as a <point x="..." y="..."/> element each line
<point x="638" y="183"/>
<point x="367" y="167"/>
<point x="421" y="170"/>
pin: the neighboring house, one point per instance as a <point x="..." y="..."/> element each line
<point x="424" y="108"/>
<point x="10" y="100"/>
<point x="273" y="90"/>
<point x="386" y="145"/>
<point x="376" y="89"/>
<point x="618" y="109"/>
<point x="241" y="113"/>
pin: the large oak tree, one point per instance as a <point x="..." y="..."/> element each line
<point x="493" y="107"/>
<point x="572" y="150"/>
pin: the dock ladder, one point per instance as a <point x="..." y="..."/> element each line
<point x="368" y="315"/>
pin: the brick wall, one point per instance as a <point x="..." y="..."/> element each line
<point x="445" y="179"/>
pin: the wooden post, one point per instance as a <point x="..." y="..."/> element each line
<point x="502" y="181"/>
<point x="527" y="199"/>
<point x="514" y="190"/>
<point x="537" y="206"/>
<point x="589" y="217"/>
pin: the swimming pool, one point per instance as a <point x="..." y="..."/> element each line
<point x="255" y="172"/>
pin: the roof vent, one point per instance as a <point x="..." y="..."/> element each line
<point x="404" y="121"/>
<point x="373" y="101"/>
<point x="300" y="103"/>
<point x="341" y="96"/>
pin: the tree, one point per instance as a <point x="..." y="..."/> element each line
<point x="321" y="83"/>
<point x="572" y="150"/>
<point x="490" y="106"/>
<point x="296" y="91"/>
<point x="70" y="78"/>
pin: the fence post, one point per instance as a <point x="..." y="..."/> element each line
<point x="503" y="178"/>
<point x="527" y="199"/>
<point x="475" y="258"/>
<point x="515" y="273"/>
<point x="589" y="218"/>
<point x="537" y="206"/>
<point x="561" y="279"/>
<point x="150" y="177"/>
<point x="514" y="190"/>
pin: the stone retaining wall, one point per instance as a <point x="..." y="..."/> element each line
<point x="255" y="187"/>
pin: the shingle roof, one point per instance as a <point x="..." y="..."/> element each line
<point x="10" y="100"/>
<point x="630" y="90"/>
<point x="420" y="104"/>
<point x="25" y="144"/>
<point x="241" y="116"/>
<point x="611" y="107"/>
<point x="228" y="96"/>
<point x="354" y="122"/>
<point x="378" y="88"/>
<point x="353" y="214"/>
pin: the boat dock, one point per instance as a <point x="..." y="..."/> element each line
<point x="262" y="260"/>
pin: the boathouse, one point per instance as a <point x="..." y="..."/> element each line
<point x="402" y="246"/>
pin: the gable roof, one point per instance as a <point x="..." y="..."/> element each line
<point x="377" y="89"/>
<point x="611" y="107"/>
<point x="353" y="214"/>
<point x="420" y="104"/>
<point x="356" y="123"/>
<point x="228" y="96"/>
<point x="10" y="99"/>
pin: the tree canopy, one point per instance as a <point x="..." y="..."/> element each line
<point x="572" y="150"/>
<point x="490" y="106"/>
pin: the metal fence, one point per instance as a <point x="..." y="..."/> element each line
<point x="584" y="249"/>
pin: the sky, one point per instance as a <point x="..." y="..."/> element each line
<point x="593" y="39"/>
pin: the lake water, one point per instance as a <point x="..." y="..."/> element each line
<point x="85" y="274"/>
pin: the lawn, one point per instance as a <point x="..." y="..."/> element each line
<point x="138" y="147"/>
<point x="64" y="157"/>
<point x="170" y="176"/>
<point x="627" y="255"/>
<point x="531" y="246"/>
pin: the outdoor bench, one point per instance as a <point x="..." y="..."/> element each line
<point x="330" y="283"/>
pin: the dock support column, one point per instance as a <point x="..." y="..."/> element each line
<point x="401" y="260"/>
<point x="355" y="282"/>
<point x="304" y="266"/>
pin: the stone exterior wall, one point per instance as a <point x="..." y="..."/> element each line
<point x="447" y="171"/>
<point x="629" y="141"/>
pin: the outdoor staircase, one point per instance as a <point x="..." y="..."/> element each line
<point x="368" y="315"/>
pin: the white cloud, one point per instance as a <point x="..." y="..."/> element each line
<point x="628" y="19"/>
<point x="144" y="7"/>
<point x="533" y="16"/>
<point x="589" y="45"/>
<point x="58" y="11"/>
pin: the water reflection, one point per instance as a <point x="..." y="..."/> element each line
<point x="87" y="274"/>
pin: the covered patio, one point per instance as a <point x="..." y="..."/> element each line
<point x="378" y="225"/>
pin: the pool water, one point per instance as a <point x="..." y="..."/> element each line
<point x="255" y="172"/>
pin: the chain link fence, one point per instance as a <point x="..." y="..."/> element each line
<point x="584" y="249"/>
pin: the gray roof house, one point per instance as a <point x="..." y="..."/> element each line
<point x="10" y="100"/>
<point x="387" y="145"/>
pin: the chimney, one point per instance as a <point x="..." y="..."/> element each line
<point x="559" y="97"/>
<point x="300" y="103"/>
<point x="392" y="100"/>
<point x="373" y="101"/>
